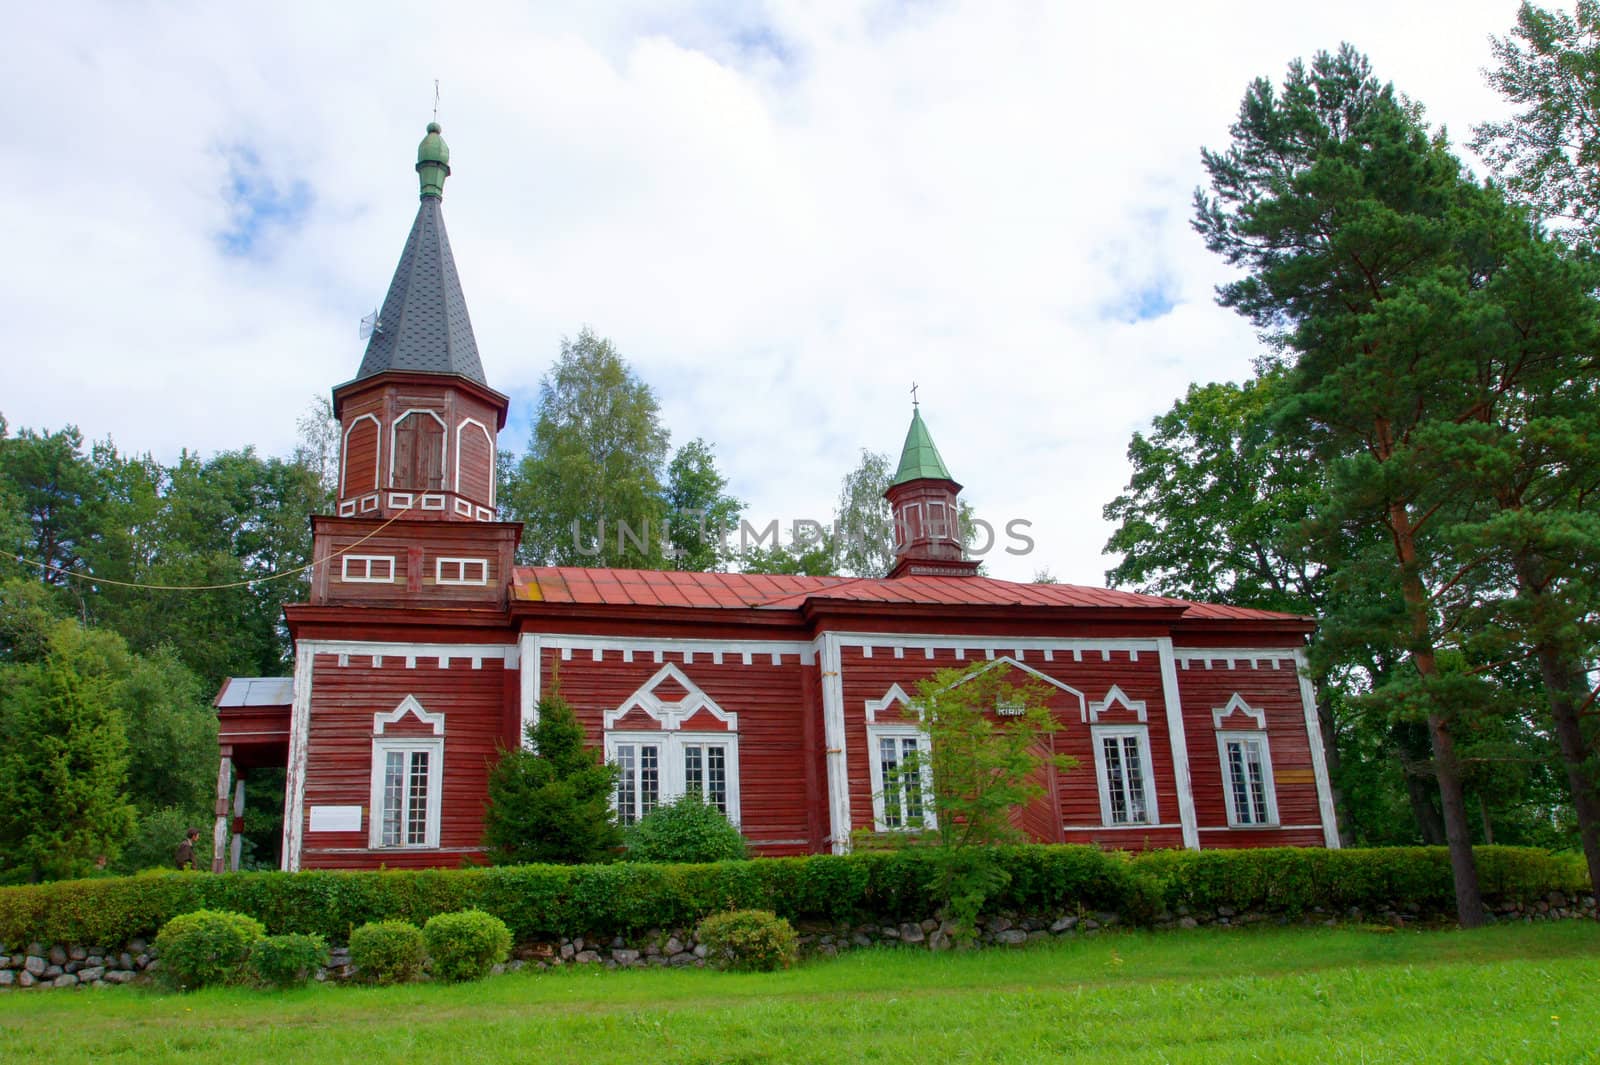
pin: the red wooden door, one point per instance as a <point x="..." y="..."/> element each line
<point x="1040" y="820"/>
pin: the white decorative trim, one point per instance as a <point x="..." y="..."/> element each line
<point x="528" y="683"/>
<point x="895" y="694"/>
<point x="485" y="514"/>
<point x="347" y="508"/>
<point x="463" y="507"/>
<point x="369" y="503"/>
<point x="348" y="576"/>
<point x="294" y="788"/>
<point x="1256" y="657"/>
<point x="401" y="500"/>
<point x="1319" y="761"/>
<point x="487" y="435"/>
<point x="408" y="705"/>
<point x="999" y="644"/>
<point x="379" y="649"/>
<point x="1237" y="705"/>
<point x="442" y="561"/>
<point x="432" y="501"/>
<point x="444" y="438"/>
<point x="1183" y="779"/>
<point x="1007" y="660"/>
<point x="671" y="715"/>
<point x="1227" y="736"/>
<point x="657" y="646"/>
<point x="834" y="739"/>
<point x="377" y="453"/>
<point x="1114" y="696"/>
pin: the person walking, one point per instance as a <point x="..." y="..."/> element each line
<point x="185" y="855"/>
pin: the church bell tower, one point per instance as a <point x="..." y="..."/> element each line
<point x="418" y="436"/>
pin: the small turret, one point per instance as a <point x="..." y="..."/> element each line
<point x="927" y="521"/>
<point x="433" y="162"/>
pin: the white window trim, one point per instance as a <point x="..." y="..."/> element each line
<point x="673" y="785"/>
<point x="941" y="523"/>
<point x="493" y="456"/>
<point x="1224" y="736"/>
<point x="1097" y="735"/>
<point x="344" y="456"/>
<point x="440" y="563"/>
<point x="349" y="576"/>
<point x="898" y="732"/>
<point x="382" y="745"/>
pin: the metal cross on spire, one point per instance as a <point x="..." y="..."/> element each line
<point x="436" y="99"/>
<point x="913" y="393"/>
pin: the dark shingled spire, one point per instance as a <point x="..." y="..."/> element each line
<point x="423" y="326"/>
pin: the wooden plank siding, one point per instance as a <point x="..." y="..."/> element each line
<point x="776" y="766"/>
<point x="339" y="750"/>
<point x="1271" y="685"/>
<point x="1093" y="674"/>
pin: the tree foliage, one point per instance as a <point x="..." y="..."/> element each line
<point x="699" y="509"/>
<point x="550" y="801"/>
<point x="1548" y="152"/>
<point x="592" y="472"/>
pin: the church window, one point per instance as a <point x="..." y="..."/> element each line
<point x="902" y="778"/>
<point x="418" y="460"/>
<point x="660" y="767"/>
<point x="461" y="571"/>
<point x="366" y="569"/>
<point x="1247" y="778"/>
<point x="1122" y="766"/>
<point x="405" y="791"/>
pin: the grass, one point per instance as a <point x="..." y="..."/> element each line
<point x="1513" y="993"/>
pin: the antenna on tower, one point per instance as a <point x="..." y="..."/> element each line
<point x="436" y="99"/>
<point x="371" y="324"/>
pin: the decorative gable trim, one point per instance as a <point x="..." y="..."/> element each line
<point x="671" y="715"/>
<point x="1114" y="697"/>
<point x="1237" y="705"/>
<point x="1007" y="660"/>
<point x="408" y="705"/>
<point x="895" y="694"/>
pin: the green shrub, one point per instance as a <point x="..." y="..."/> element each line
<point x="685" y="830"/>
<point x="206" y="947"/>
<point x="465" y="945"/>
<point x="387" y="952"/>
<point x="287" y="960"/>
<point x="547" y="901"/>
<point x="753" y="940"/>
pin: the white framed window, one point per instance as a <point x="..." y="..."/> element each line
<point x="461" y="571"/>
<point x="939" y="522"/>
<point x="902" y="778"/>
<point x="407" y="773"/>
<point x="1122" y="769"/>
<point x="366" y="569"/>
<point x="655" y="768"/>
<point x="1247" y="778"/>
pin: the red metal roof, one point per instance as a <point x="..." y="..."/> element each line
<point x="635" y="587"/>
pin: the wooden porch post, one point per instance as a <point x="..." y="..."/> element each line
<point x="219" y="835"/>
<point x="236" y="848"/>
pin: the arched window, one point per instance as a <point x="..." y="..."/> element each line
<point x="418" y="462"/>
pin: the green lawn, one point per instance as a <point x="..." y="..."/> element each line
<point x="1519" y="993"/>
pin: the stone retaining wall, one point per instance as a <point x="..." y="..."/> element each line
<point x="38" y="967"/>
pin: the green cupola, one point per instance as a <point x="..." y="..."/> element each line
<point x="927" y="515"/>
<point x="433" y="162"/>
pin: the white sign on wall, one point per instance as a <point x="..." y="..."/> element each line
<point x="336" y="819"/>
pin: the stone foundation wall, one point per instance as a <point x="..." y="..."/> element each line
<point x="37" y="966"/>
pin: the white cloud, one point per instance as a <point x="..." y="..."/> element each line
<point x="781" y="217"/>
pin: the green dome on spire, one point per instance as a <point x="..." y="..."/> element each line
<point x="919" y="459"/>
<point x="433" y="162"/>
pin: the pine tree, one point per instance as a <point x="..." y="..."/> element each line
<point x="551" y="800"/>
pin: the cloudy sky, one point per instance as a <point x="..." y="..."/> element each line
<point x="782" y="215"/>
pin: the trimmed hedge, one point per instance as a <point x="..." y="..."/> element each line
<point x="548" y="901"/>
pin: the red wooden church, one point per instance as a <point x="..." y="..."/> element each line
<point x="783" y="700"/>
